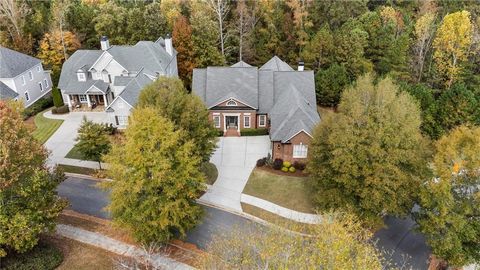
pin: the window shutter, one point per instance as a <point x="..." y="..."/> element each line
<point x="116" y="120"/>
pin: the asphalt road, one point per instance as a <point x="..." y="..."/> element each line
<point x="406" y="248"/>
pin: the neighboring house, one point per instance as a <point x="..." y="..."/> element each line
<point x="22" y="77"/>
<point x="111" y="78"/>
<point x="273" y="96"/>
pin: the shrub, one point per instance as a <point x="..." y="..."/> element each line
<point x="57" y="97"/>
<point x="284" y="169"/>
<point x="287" y="164"/>
<point x="219" y="133"/>
<point x="254" y="132"/>
<point x="60" y="110"/>
<point x="261" y="162"/>
<point x="299" y="165"/>
<point x="277" y="164"/>
<point x="37" y="107"/>
<point x="292" y="169"/>
<point x="110" y="129"/>
<point x="43" y="256"/>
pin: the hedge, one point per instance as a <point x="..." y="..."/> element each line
<point x="254" y="132"/>
<point x="60" y="110"/>
<point x="38" y="106"/>
<point x="42" y="257"/>
<point x="57" y="97"/>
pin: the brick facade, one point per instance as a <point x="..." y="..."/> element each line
<point x="285" y="150"/>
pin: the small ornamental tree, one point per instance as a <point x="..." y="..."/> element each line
<point x="156" y="179"/>
<point x="186" y="111"/>
<point x="370" y="156"/>
<point x="92" y="141"/>
<point x="29" y="203"/>
<point x="449" y="215"/>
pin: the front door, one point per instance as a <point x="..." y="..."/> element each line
<point x="231" y="122"/>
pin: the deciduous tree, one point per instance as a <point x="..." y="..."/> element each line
<point x="182" y="41"/>
<point x="424" y="32"/>
<point x="156" y="179"/>
<point x="29" y="203"/>
<point x="449" y="215"/>
<point x="92" y="141"/>
<point x="371" y="156"/>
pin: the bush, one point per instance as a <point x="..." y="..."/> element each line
<point x="219" y="133"/>
<point x="57" y="97"/>
<point x="60" y="110"/>
<point x="37" y="107"/>
<point x="43" y="256"/>
<point x="299" y="165"/>
<point x="254" y="132"/>
<point x="261" y="162"/>
<point x="292" y="169"/>
<point x="287" y="164"/>
<point x="277" y="164"/>
<point x="110" y="129"/>
<point x="284" y="169"/>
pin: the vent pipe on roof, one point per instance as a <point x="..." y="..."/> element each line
<point x="301" y="66"/>
<point x="104" y="43"/>
<point x="168" y="44"/>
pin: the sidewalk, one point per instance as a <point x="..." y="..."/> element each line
<point x="117" y="247"/>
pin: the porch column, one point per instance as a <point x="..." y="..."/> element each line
<point x="88" y="101"/>
<point x="69" y="103"/>
<point x="105" y="101"/>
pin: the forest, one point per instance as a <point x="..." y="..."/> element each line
<point x="428" y="47"/>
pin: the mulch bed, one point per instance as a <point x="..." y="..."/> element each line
<point x="269" y="169"/>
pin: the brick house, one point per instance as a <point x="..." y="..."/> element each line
<point x="274" y="97"/>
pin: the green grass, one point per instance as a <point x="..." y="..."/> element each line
<point x="75" y="154"/>
<point x="287" y="191"/>
<point x="210" y="171"/>
<point x="76" y="169"/>
<point x="45" y="127"/>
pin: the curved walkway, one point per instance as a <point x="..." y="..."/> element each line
<point x="281" y="211"/>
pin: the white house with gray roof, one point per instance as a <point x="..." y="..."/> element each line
<point x="111" y="78"/>
<point x="22" y="77"/>
<point x="274" y="96"/>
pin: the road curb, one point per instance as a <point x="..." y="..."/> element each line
<point x="88" y="177"/>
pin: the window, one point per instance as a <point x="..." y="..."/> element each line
<point x="261" y="120"/>
<point x="39" y="68"/>
<point x="300" y="150"/>
<point x="23" y="80"/>
<point x="30" y="75"/>
<point x="41" y="86"/>
<point x="82" y="98"/>
<point x="45" y="81"/>
<point x="246" y="121"/>
<point x="122" y="120"/>
<point x="216" y="121"/>
<point x="231" y="103"/>
<point x="27" y="97"/>
<point x="81" y="76"/>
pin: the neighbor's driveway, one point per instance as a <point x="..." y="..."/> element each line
<point x="235" y="159"/>
<point x="63" y="140"/>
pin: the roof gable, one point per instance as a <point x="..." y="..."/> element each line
<point x="276" y="64"/>
<point x="13" y="63"/>
<point x="7" y="92"/>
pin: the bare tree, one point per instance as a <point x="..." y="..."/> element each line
<point x="246" y="21"/>
<point x="221" y="9"/>
<point x="12" y="18"/>
<point x="424" y="33"/>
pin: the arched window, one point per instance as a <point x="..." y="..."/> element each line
<point x="231" y="103"/>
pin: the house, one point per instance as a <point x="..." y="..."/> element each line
<point x="111" y="79"/>
<point x="22" y="77"/>
<point x="274" y="96"/>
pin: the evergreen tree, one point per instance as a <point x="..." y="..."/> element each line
<point x="329" y="84"/>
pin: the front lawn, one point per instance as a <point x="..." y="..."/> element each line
<point x="45" y="127"/>
<point x="75" y="154"/>
<point x="287" y="191"/>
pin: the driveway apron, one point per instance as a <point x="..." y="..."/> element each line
<point x="235" y="159"/>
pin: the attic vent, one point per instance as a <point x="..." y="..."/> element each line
<point x="231" y="103"/>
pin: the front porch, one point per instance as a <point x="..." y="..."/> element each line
<point x="87" y="102"/>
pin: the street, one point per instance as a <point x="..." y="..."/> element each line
<point x="408" y="248"/>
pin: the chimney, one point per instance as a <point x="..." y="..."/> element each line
<point x="301" y="66"/>
<point x="168" y="44"/>
<point x="104" y="43"/>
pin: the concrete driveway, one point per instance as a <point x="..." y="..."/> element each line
<point x="63" y="140"/>
<point x="235" y="159"/>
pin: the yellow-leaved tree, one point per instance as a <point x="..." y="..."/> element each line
<point x="452" y="45"/>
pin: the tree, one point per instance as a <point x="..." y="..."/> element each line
<point x="336" y="13"/>
<point x="221" y="8"/>
<point x="187" y="112"/>
<point x="452" y="45"/>
<point x="28" y="196"/>
<point x="92" y="141"/>
<point x="301" y="21"/>
<point x="79" y="18"/>
<point x="329" y="84"/>
<point x="156" y="179"/>
<point x="246" y="20"/>
<point x="111" y="21"/>
<point x="370" y="157"/>
<point x="182" y="40"/>
<point x="449" y="215"/>
<point x="13" y="16"/>
<point x="424" y="31"/>
<point x="319" y="51"/>
<point x="272" y="247"/>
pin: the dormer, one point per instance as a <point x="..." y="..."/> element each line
<point x="82" y="74"/>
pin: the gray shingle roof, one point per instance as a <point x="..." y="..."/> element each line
<point x="287" y="96"/>
<point x="134" y="87"/>
<point x="7" y="92"/>
<point x="240" y="64"/>
<point x="68" y="78"/>
<point x="13" y="63"/>
<point x="121" y="80"/>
